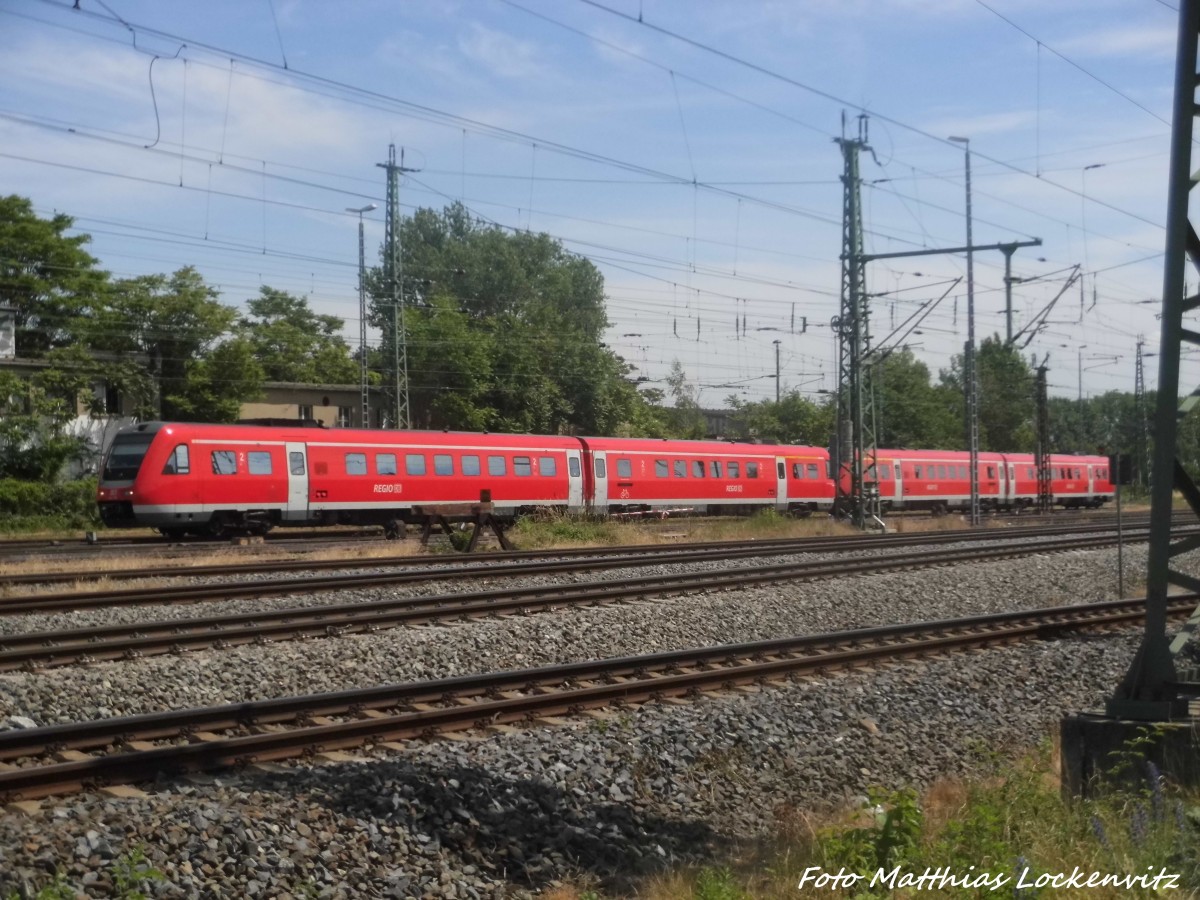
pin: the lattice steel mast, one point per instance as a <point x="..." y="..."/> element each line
<point x="1151" y="689"/>
<point x="394" y="332"/>
<point x="854" y="442"/>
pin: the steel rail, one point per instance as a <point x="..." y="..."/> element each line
<point x="71" y="646"/>
<point x="819" y="544"/>
<point x="498" y="698"/>
<point x="529" y="562"/>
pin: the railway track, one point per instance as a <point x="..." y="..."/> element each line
<point x="607" y="557"/>
<point x="130" y="544"/>
<point x="302" y="726"/>
<point x="123" y="641"/>
<point x="21" y="548"/>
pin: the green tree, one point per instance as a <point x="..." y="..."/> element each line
<point x="34" y="413"/>
<point x="793" y="420"/>
<point x="685" y="419"/>
<point x="509" y="325"/>
<point x="215" y="385"/>
<point x="450" y="366"/>
<point x="174" y="326"/>
<point x="909" y="410"/>
<point x="292" y="343"/>
<point x="1006" y="402"/>
<point x="45" y="275"/>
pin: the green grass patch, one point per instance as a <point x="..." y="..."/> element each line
<point x="1007" y="833"/>
<point x="543" y="530"/>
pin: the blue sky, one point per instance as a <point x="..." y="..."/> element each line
<point x="690" y="155"/>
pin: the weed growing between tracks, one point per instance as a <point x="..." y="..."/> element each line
<point x="554" y="531"/>
<point x="1009" y="821"/>
<point x="125" y="879"/>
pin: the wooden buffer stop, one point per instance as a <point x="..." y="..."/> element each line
<point x="446" y="516"/>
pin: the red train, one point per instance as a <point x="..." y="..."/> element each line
<point x="940" y="480"/>
<point x="209" y="479"/>
<point x="206" y="479"/>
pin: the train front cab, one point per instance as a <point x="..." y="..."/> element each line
<point x="117" y="487"/>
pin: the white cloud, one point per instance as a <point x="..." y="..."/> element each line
<point x="503" y="54"/>
<point x="1156" y="42"/>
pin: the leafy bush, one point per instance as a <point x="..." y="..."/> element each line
<point x="34" y="506"/>
<point x="555" y="529"/>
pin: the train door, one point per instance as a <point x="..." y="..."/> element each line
<point x="574" y="481"/>
<point x="898" y="496"/>
<point x="600" y="482"/>
<point x="297" y="468"/>
<point x="781" y="489"/>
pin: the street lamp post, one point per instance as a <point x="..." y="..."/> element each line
<point x="972" y="385"/>
<point x="776" y="343"/>
<point x="364" y="383"/>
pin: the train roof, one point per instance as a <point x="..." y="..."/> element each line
<point x="687" y="447"/>
<point x="301" y="433"/>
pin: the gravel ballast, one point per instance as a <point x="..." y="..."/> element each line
<point x="597" y="800"/>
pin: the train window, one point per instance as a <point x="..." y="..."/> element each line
<point x="735" y="469"/>
<point x="751" y="470"/>
<point x="258" y="462"/>
<point x="385" y="463"/>
<point x="601" y="469"/>
<point x="662" y="468"/>
<point x="574" y="468"/>
<point x="680" y="468"/>
<point x="443" y="464"/>
<point x="177" y="462"/>
<point x="224" y="462"/>
<point x="870" y="472"/>
<point x="917" y="471"/>
<point x="698" y="468"/>
<point x="296" y="462"/>
<point x="991" y="470"/>
<point x="714" y="468"/>
<point x="356" y="464"/>
<point x="812" y="470"/>
<point x="414" y="463"/>
<point x="797" y="470"/>
<point x="886" y="469"/>
<point x="470" y="465"/>
<point x="941" y="472"/>
<point x="547" y="466"/>
<point x="624" y="468"/>
<point x="522" y="466"/>
<point x="497" y="465"/>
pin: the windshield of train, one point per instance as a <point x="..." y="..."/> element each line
<point x="126" y="457"/>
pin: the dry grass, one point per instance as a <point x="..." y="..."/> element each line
<point x="220" y="554"/>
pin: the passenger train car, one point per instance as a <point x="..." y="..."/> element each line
<point x="940" y="480"/>
<point x="208" y="479"/>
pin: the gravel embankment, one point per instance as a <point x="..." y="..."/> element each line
<point x="602" y="800"/>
